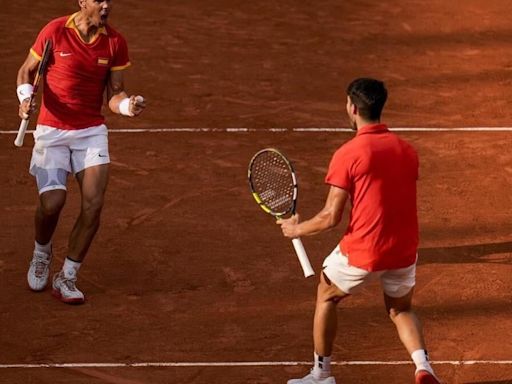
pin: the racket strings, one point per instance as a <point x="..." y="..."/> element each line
<point x="273" y="182"/>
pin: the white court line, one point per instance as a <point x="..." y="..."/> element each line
<point x="247" y="130"/>
<point x="245" y="364"/>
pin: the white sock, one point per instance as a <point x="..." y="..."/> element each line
<point x="322" y="367"/>
<point x="45" y="248"/>
<point x="420" y="358"/>
<point x="70" y="267"/>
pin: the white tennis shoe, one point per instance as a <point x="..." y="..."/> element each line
<point x="64" y="288"/>
<point x="310" y="379"/>
<point x="37" y="276"/>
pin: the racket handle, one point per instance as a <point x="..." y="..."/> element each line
<point x="21" y="133"/>
<point x="303" y="258"/>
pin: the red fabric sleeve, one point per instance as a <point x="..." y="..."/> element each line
<point x="121" y="59"/>
<point x="339" y="173"/>
<point x="45" y="34"/>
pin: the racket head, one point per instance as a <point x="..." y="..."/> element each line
<point x="273" y="182"/>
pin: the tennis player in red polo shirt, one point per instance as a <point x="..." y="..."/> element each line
<point x="87" y="58"/>
<point x="377" y="171"/>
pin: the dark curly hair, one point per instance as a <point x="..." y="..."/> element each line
<point x="369" y="96"/>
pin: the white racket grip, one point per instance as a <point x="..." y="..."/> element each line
<point x="21" y="133"/>
<point x="303" y="258"/>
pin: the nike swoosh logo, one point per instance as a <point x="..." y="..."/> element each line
<point x="64" y="54"/>
<point x="100" y="155"/>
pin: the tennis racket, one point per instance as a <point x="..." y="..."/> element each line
<point x="274" y="187"/>
<point x="43" y="64"/>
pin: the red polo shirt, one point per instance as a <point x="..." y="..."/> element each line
<point x="380" y="171"/>
<point x="77" y="73"/>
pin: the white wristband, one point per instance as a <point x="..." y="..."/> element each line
<point x="24" y="91"/>
<point x="124" y="107"/>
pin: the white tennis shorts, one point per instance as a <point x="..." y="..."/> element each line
<point x="395" y="282"/>
<point x="58" y="152"/>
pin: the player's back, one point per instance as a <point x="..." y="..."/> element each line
<point x="383" y="230"/>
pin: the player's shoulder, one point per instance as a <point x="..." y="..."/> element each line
<point x="54" y="27"/>
<point x="346" y="150"/>
<point x="57" y="23"/>
<point x="350" y="145"/>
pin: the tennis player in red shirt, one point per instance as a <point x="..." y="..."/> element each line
<point x="377" y="171"/>
<point x="88" y="57"/>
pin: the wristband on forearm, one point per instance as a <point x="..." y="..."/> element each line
<point x="24" y="91"/>
<point x="124" y="107"/>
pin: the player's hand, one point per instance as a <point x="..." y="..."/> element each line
<point x="137" y="105"/>
<point x="27" y="108"/>
<point x="290" y="227"/>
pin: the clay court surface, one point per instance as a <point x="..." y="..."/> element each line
<point x="187" y="271"/>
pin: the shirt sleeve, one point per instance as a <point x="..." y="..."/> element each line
<point x="121" y="59"/>
<point x="339" y="173"/>
<point x="38" y="47"/>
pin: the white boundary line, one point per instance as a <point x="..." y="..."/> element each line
<point x="244" y="364"/>
<point x="247" y="130"/>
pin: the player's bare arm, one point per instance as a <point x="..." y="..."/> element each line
<point x="25" y="77"/>
<point x="118" y="100"/>
<point x="327" y="218"/>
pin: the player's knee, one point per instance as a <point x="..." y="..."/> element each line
<point x="92" y="208"/>
<point x="52" y="202"/>
<point x="329" y="297"/>
<point x="397" y="305"/>
<point x="394" y="312"/>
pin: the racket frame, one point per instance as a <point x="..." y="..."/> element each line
<point x="277" y="215"/>
<point x="297" y="243"/>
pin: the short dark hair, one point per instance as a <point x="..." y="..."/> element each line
<point x="369" y="96"/>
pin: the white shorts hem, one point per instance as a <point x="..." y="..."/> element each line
<point x="52" y="188"/>
<point x="395" y="282"/>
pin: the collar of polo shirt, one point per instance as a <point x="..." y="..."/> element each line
<point x="372" y="128"/>
<point x="71" y="24"/>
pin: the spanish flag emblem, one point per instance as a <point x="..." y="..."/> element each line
<point x="102" y="61"/>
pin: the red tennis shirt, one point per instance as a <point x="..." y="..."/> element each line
<point x="380" y="171"/>
<point x="77" y="73"/>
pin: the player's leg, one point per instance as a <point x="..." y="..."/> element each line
<point x="90" y="163"/>
<point x="407" y="323"/>
<point x="50" y="165"/>
<point x="326" y="321"/>
<point x="93" y="184"/>
<point x="398" y="288"/>
<point x="337" y="280"/>
<point x="47" y="214"/>
<point x="45" y="221"/>
<point x="324" y="331"/>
